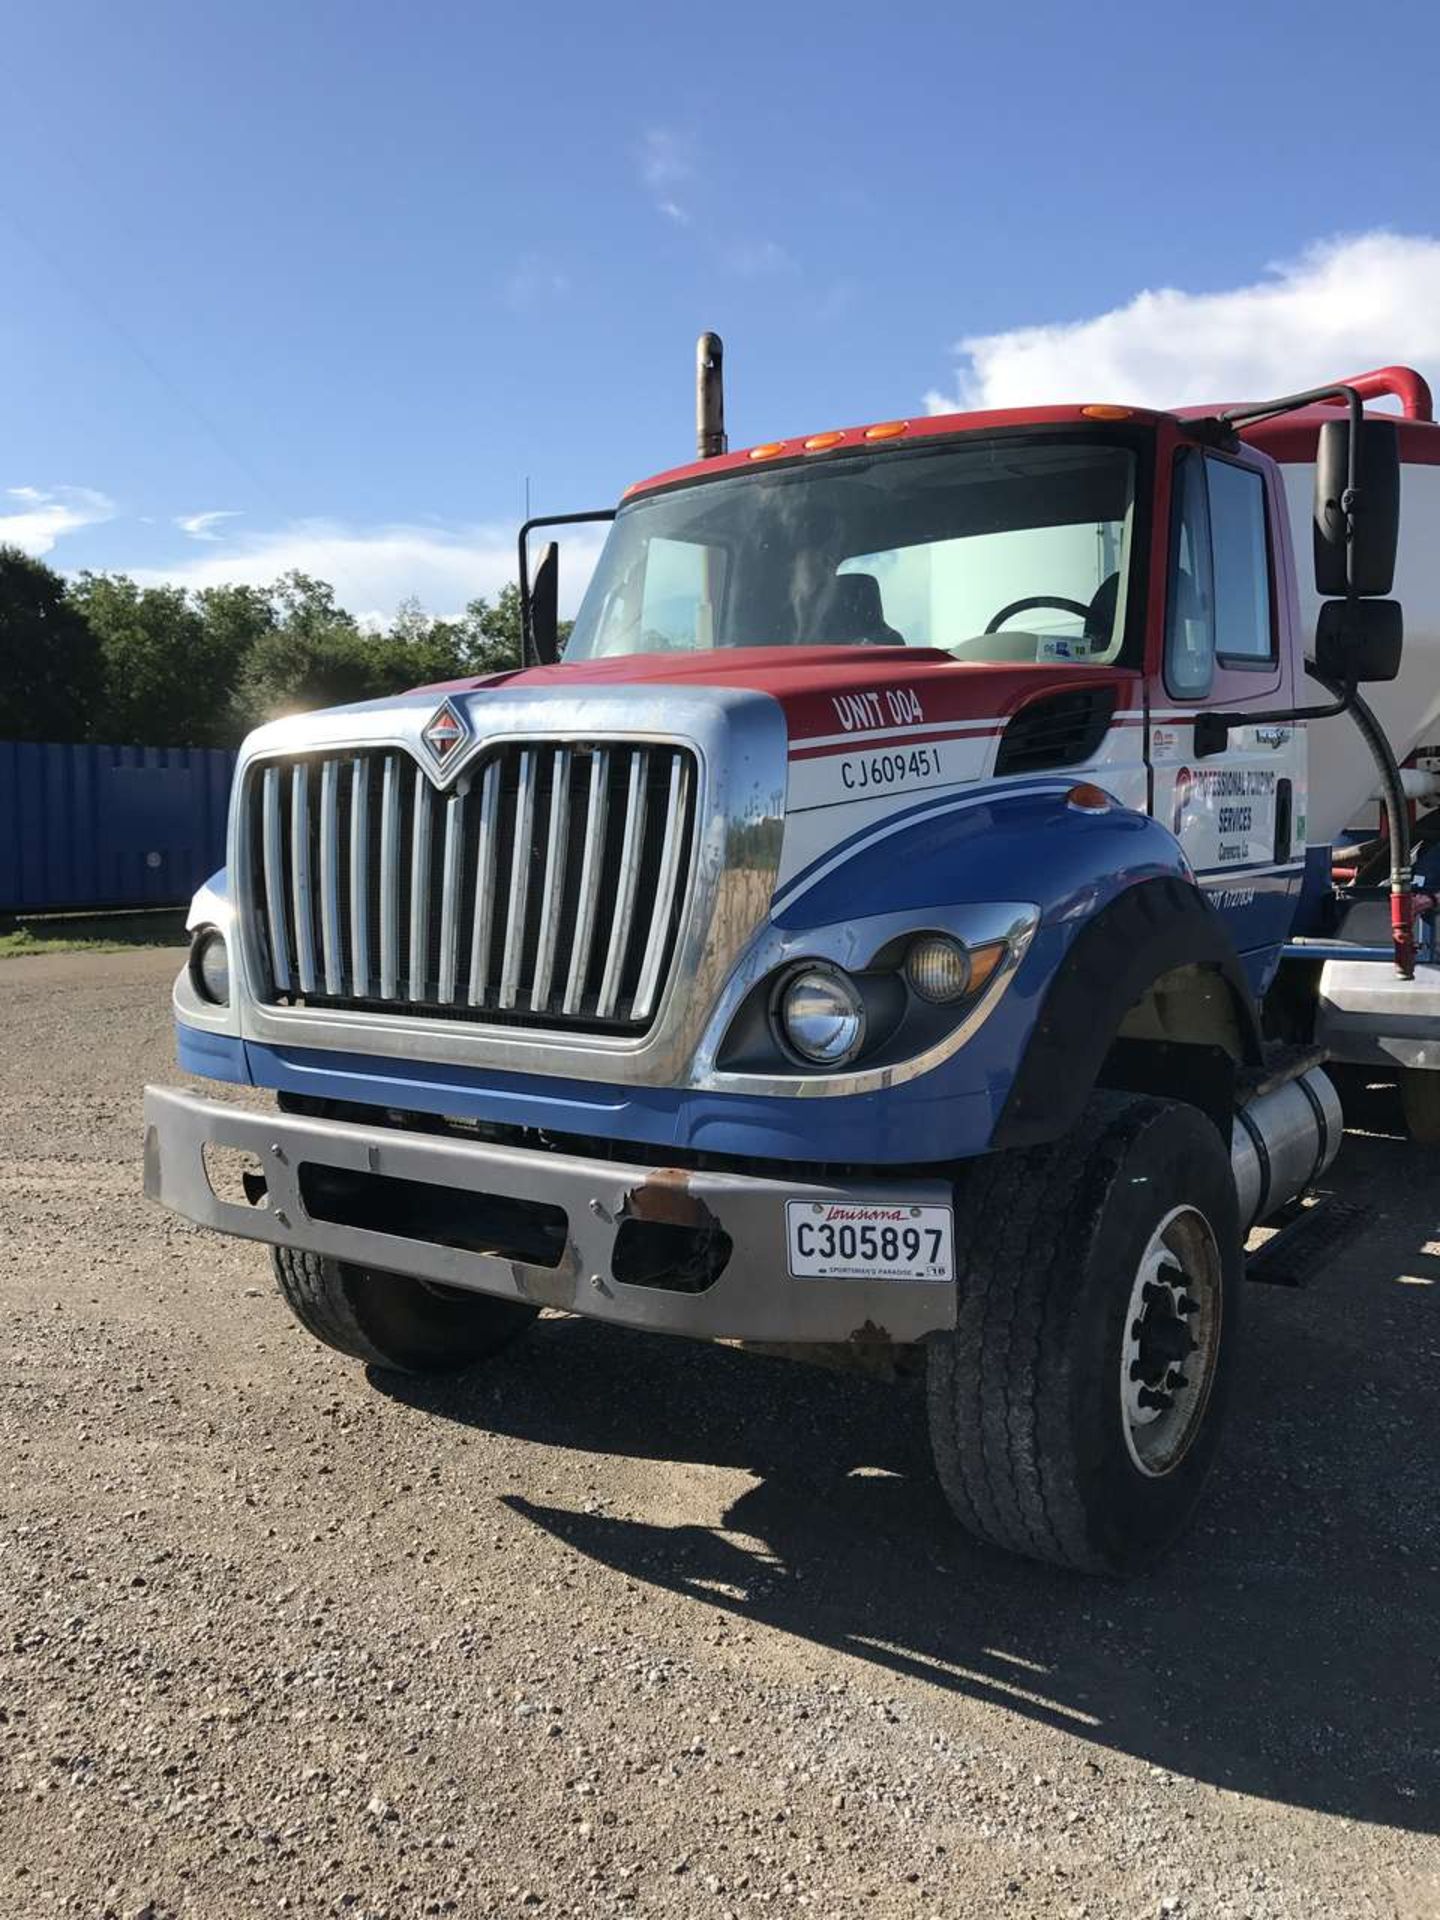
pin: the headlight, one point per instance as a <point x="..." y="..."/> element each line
<point x="821" y="1016"/>
<point x="210" y="967"/>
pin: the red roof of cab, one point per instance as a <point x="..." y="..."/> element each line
<point x="853" y="439"/>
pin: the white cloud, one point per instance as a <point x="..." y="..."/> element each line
<point x="751" y="259"/>
<point x="201" y="526"/>
<point x="666" y="162"/>
<point x="1345" y="305"/>
<point x="533" y="280"/>
<point x="665" y="157"/>
<point x="373" y="569"/>
<point x="38" y="518"/>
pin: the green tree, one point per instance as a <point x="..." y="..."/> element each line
<point x="159" y="666"/>
<point x="306" y="606"/>
<point x="312" y="654"/>
<point x="418" y="649"/>
<point x="49" y="658"/>
<point x="293" y="671"/>
<point x="235" y="618"/>
<point x="316" y="654"/>
<point x="491" y="635"/>
<point x="169" y="661"/>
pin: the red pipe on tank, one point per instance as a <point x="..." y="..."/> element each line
<point x="1407" y="386"/>
<point x="1402" y="931"/>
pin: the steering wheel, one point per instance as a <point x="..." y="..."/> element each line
<point x="1037" y="600"/>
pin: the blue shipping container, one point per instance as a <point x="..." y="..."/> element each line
<point x="109" y="826"/>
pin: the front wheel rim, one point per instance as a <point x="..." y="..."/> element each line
<point x="1171" y="1342"/>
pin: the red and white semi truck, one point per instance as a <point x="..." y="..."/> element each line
<point x="905" y="923"/>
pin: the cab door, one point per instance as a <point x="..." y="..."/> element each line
<point x="1238" y="811"/>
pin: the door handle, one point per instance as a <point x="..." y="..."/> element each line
<point x="1283" y="813"/>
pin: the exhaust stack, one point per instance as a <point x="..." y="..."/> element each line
<point x="710" y="438"/>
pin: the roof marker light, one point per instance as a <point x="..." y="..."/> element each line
<point x="889" y="430"/>
<point x="1107" y="413"/>
<point x="768" y="451"/>
<point x="818" y="442"/>
<point x="1088" y="798"/>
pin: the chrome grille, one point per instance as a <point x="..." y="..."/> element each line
<point x="546" y="888"/>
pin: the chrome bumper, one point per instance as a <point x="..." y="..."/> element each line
<point x="754" y="1297"/>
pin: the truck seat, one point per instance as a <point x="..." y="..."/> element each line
<point x="854" y="614"/>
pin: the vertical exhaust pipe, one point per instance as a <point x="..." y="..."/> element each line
<point x="710" y="437"/>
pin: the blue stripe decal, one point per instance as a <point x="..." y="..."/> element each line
<point x="943" y="803"/>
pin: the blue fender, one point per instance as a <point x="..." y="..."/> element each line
<point x="1019" y="842"/>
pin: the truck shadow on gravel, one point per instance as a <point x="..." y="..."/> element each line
<point x="1286" y="1649"/>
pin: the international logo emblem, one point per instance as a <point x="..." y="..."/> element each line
<point x="444" y="733"/>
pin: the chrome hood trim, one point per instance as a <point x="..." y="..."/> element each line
<point x="741" y="742"/>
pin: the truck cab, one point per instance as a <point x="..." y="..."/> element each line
<point x="863" y="940"/>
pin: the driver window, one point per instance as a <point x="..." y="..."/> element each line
<point x="1189" y="624"/>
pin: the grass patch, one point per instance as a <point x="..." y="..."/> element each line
<point x="22" y="934"/>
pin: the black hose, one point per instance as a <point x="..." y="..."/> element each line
<point x="1397" y="818"/>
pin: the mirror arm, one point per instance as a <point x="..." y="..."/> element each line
<point x="1212" y="730"/>
<point x="527" y="637"/>
<point x="1291" y="403"/>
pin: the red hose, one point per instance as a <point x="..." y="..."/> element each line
<point x="1402" y="930"/>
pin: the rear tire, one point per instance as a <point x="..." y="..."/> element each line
<point x="390" y="1320"/>
<point x="1086" y="1269"/>
<point x="1420" y="1100"/>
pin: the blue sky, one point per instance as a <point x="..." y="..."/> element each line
<point x="350" y="273"/>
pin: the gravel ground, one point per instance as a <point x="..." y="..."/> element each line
<point x="621" y="1625"/>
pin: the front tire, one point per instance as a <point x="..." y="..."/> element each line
<point x="1075" y="1410"/>
<point x="389" y="1320"/>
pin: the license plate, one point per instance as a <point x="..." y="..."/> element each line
<point x="830" y="1241"/>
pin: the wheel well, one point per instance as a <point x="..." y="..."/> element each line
<point x="1191" y="1004"/>
<point x="1150" y="998"/>
<point x="1184" y="1037"/>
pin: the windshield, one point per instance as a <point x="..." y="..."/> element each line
<point x="1013" y="549"/>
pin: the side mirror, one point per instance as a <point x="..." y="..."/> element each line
<point x="1359" y="640"/>
<point x="545" y="606"/>
<point x="1363" y="563"/>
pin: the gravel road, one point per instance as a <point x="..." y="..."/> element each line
<point x="621" y="1625"/>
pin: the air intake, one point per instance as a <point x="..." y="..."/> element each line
<point x="1057" y="730"/>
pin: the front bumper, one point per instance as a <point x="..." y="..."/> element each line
<point x="754" y="1296"/>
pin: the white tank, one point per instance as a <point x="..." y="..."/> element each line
<point x="1342" y="773"/>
